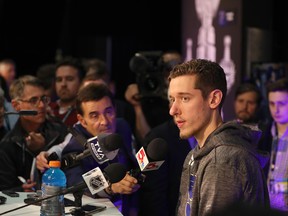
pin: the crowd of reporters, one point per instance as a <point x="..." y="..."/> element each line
<point x="79" y="94"/>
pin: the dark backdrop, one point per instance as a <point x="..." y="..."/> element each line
<point x="32" y="31"/>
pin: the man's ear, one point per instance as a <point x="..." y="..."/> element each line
<point x="82" y="120"/>
<point x="16" y="105"/>
<point x="215" y="98"/>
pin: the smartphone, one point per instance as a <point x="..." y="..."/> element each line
<point x="87" y="209"/>
<point x="10" y="193"/>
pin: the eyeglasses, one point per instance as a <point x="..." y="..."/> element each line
<point x="36" y="100"/>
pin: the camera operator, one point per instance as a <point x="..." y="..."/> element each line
<point x="149" y="94"/>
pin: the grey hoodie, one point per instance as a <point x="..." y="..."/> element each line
<point x="227" y="169"/>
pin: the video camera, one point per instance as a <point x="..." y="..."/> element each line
<point x="149" y="69"/>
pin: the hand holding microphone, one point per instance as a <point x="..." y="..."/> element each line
<point x="127" y="185"/>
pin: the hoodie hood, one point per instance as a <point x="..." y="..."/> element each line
<point x="243" y="136"/>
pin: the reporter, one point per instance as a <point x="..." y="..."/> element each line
<point x="96" y="114"/>
<point x="31" y="135"/>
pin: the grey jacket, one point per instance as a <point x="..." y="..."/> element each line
<point x="226" y="170"/>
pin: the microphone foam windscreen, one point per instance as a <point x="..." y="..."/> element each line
<point x="157" y="149"/>
<point x="110" y="142"/>
<point x="115" y="172"/>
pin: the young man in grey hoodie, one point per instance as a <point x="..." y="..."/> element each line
<point x="224" y="168"/>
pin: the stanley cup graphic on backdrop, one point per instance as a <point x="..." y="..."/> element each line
<point x="206" y="49"/>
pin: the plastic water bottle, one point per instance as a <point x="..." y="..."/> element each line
<point x="53" y="181"/>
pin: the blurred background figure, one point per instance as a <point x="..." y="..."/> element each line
<point x="247" y="103"/>
<point x="150" y="90"/>
<point x="278" y="171"/>
<point x="3" y="130"/>
<point x="249" y="109"/>
<point x="9" y="120"/>
<point x="8" y="71"/>
<point x="159" y="192"/>
<point x="98" y="69"/>
<point x="46" y="73"/>
<point x="68" y="77"/>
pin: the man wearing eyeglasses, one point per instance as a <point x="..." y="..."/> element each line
<point x="31" y="134"/>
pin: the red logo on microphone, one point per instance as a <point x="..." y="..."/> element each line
<point x="141" y="155"/>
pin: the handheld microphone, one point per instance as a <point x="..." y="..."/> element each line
<point x="103" y="148"/>
<point x="96" y="181"/>
<point x="113" y="173"/>
<point x="23" y="112"/>
<point x="156" y="153"/>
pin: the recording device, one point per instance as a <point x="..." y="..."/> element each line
<point x="152" y="160"/>
<point x="103" y="148"/>
<point x="23" y="112"/>
<point x="88" y="210"/>
<point x="113" y="173"/>
<point x="148" y="67"/>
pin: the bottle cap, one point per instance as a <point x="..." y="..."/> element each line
<point x="53" y="163"/>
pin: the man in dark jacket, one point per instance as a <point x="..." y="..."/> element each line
<point x="97" y="115"/>
<point x="30" y="135"/>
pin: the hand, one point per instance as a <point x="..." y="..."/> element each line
<point x="41" y="161"/>
<point x="35" y="141"/>
<point x="132" y="95"/>
<point x="29" y="186"/>
<point x="127" y="185"/>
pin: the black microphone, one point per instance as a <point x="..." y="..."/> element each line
<point x="103" y="148"/>
<point x="152" y="160"/>
<point x="95" y="181"/>
<point x="23" y="112"/>
<point x="113" y="173"/>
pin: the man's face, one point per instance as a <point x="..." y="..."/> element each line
<point x="98" y="116"/>
<point x="8" y="72"/>
<point x="190" y="111"/>
<point x="33" y="98"/>
<point x="246" y="106"/>
<point x="278" y="106"/>
<point x="67" y="83"/>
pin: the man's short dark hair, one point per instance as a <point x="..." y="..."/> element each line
<point x="278" y="85"/>
<point x="92" y="92"/>
<point x="209" y="76"/>
<point x="249" y="87"/>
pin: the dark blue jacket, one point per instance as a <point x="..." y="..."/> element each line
<point x="125" y="156"/>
